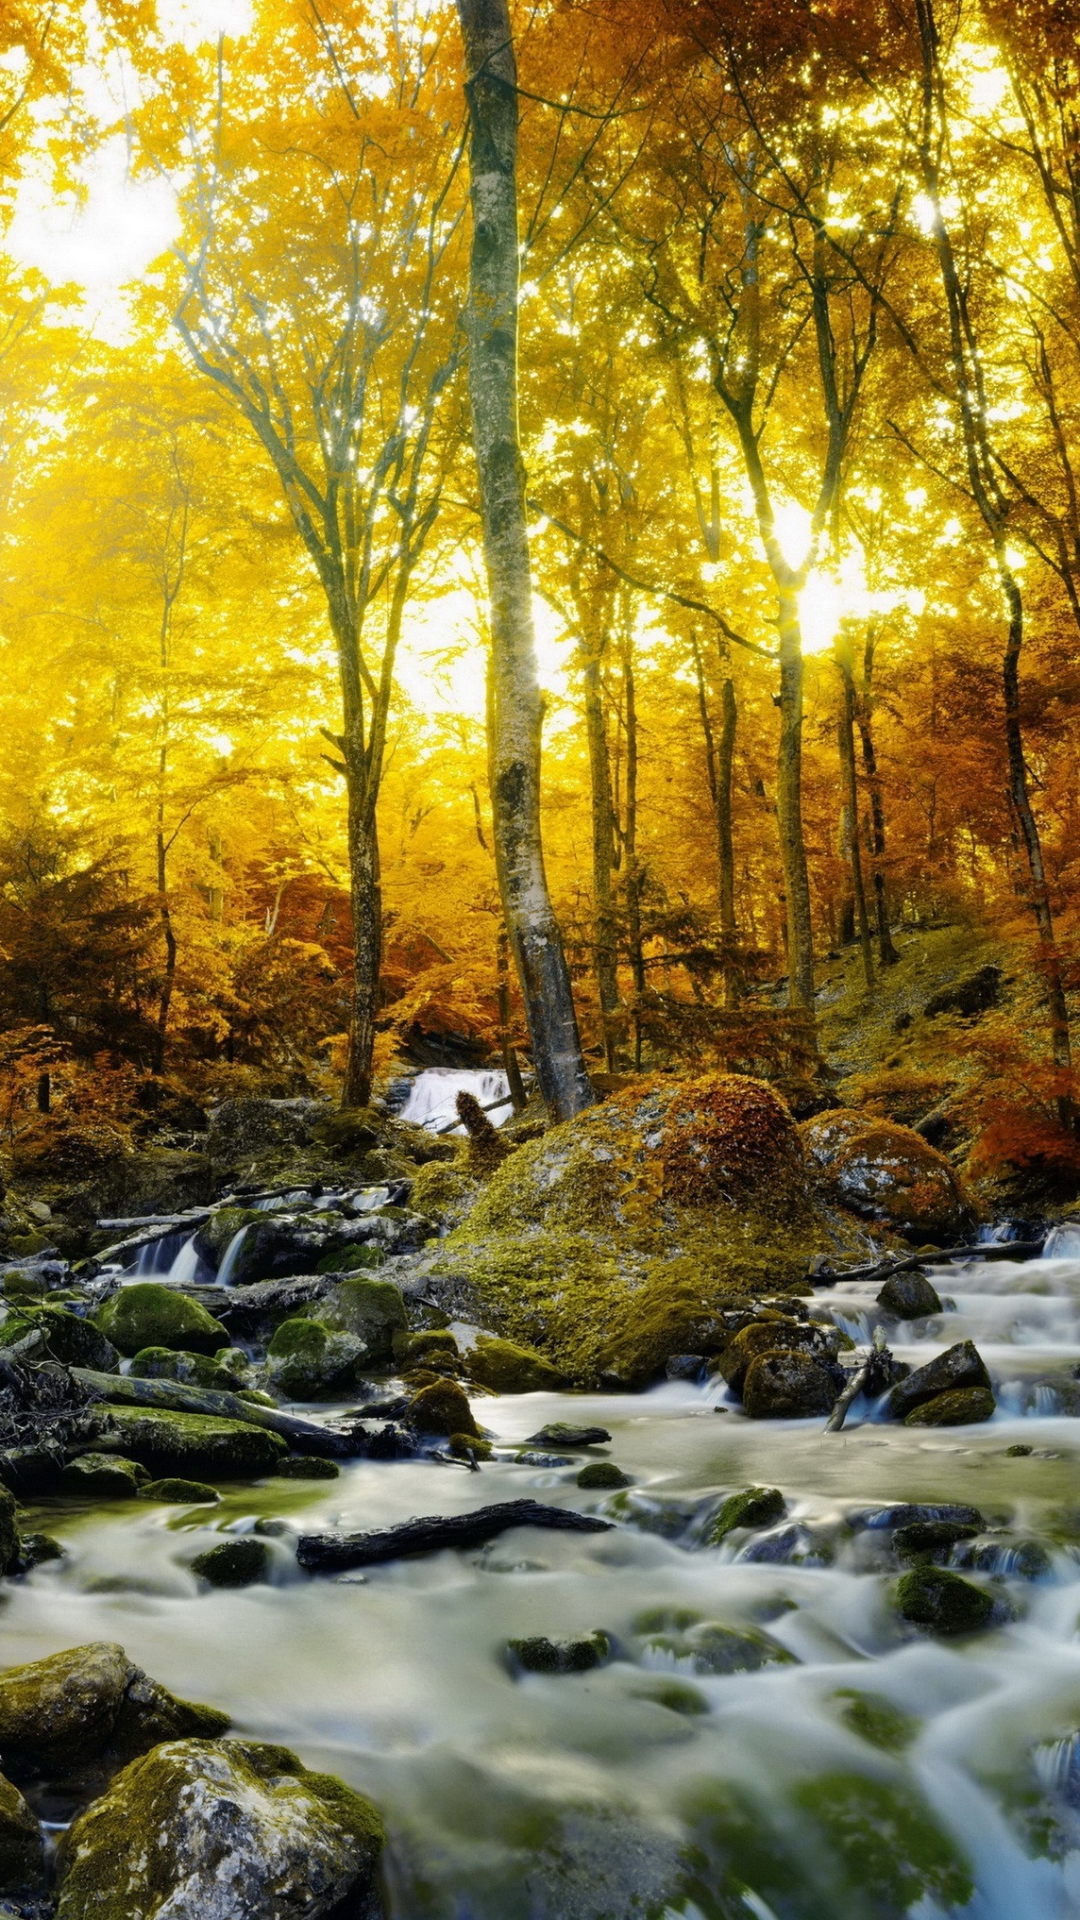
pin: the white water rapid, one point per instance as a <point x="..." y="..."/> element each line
<point x="433" y="1093"/>
<point x="576" y="1796"/>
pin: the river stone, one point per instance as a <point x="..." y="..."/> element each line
<point x="506" y="1367"/>
<point x="787" y="1386"/>
<point x="235" y="1563"/>
<point x="371" y="1309"/>
<point x="73" y="1341"/>
<point x="909" y="1296"/>
<point x="200" y="1831"/>
<point x="89" y="1705"/>
<point x="888" y="1173"/>
<point x="305" y="1361"/>
<point x="602" y="1474"/>
<point x="754" y="1507"/>
<point x="37" y="1548"/>
<point x="434" y="1348"/>
<point x="213" y="1237"/>
<point x="194" y="1444"/>
<point x="277" y="1245"/>
<point x="191" y="1369"/>
<point x="181" y="1493"/>
<point x="149" y="1315"/>
<point x="712" y="1647"/>
<point x="962" y="1408"/>
<point x="541" y="1655"/>
<point x="560" y="1435"/>
<point x="307" y="1466"/>
<point x="441" y="1409"/>
<point x="22" y="1843"/>
<point x="931" y="1597"/>
<point x="772" y="1336"/>
<point x="107" y="1476"/>
<point x="930" y="1539"/>
<point x="959" y="1366"/>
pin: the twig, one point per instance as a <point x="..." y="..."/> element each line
<point x="858" y="1381"/>
<point x="884" y="1270"/>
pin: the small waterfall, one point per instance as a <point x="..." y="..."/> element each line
<point x="157" y="1256"/>
<point x="433" y="1095"/>
<point x="232" y="1255"/>
<point x="185" y="1267"/>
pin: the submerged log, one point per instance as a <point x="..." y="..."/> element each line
<point x="874" y="1373"/>
<point x="335" y="1552"/>
<point x="884" y="1269"/>
<point x="171" y="1396"/>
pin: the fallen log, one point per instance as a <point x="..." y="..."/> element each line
<point x="336" y="1552"/>
<point x="166" y="1222"/>
<point x="877" y="1361"/>
<point x="884" y="1269"/>
<point x="172" y="1396"/>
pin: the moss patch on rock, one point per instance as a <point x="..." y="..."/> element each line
<point x="754" y="1507"/>
<point x="22" y="1843"/>
<point x="504" y="1366"/>
<point x="233" y="1563"/>
<point x="195" y="1444"/>
<point x="147" y="1314"/>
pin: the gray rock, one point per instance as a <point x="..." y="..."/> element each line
<point x="909" y="1296"/>
<point x="541" y="1655"/>
<point x="235" y="1563"/>
<point x="786" y="1385"/>
<point x="959" y="1366"/>
<point x="88" y="1711"/>
<point x="206" y="1831"/>
<point x="245" y="1126"/>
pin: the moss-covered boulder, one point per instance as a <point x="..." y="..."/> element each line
<point x="233" y="1563"/>
<point x="942" y="1602"/>
<point x="960" y="1367"/>
<point x="89" y="1708"/>
<point x="618" y="1238"/>
<point x="541" y="1655"/>
<point x="445" y="1193"/>
<point x="306" y="1361"/>
<point x="888" y="1174"/>
<point x="753" y="1507"/>
<point x="775" y="1334"/>
<point x="371" y="1310"/>
<point x="784" y="1385"/>
<point x="440" y="1410"/>
<point x="74" y="1341"/>
<point x="194" y="1445"/>
<point x="966" y="1406"/>
<point x="103" y="1476"/>
<point x="172" y="1492"/>
<point x="277" y="1245"/>
<point x="433" y="1348"/>
<point x="709" y="1647"/>
<point x="212" y="1239"/>
<point x="22" y="1844"/>
<point x="225" y="1370"/>
<point x="504" y="1366"/>
<point x="147" y="1314"/>
<point x="209" y="1831"/>
<point x="909" y="1296"/>
<point x="602" y="1476"/>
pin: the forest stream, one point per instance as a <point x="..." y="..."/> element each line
<point x="618" y="1790"/>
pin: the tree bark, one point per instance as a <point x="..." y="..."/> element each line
<point x="789" y="807"/>
<point x="491" y="324"/>
<point x="605" y="936"/>
<point x="632" y="872"/>
<point x="509" y="1052"/>
<point x="887" y="954"/>
<point x="850" y="791"/>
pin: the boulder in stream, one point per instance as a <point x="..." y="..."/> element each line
<point x="909" y="1296"/>
<point x="103" y="1476"/>
<point x="602" y="1476"/>
<point x="541" y="1655"/>
<point x="785" y="1385"/>
<point x="193" y="1445"/>
<point x="960" y="1366"/>
<point x="932" y="1597"/>
<point x="777" y="1333"/>
<point x="68" y="1338"/>
<point x="441" y="1409"/>
<point x="277" y="1245"/>
<point x="205" y="1831"/>
<point x="306" y="1361"/>
<point x="227" y="1370"/>
<point x="22" y="1844"/>
<point x="147" y="1314"/>
<point x="963" y="1407"/>
<point x="233" y="1563"/>
<point x="504" y="1366"/>
<point x="86" y="1712"/>
<point x="753" y="1507"/>
<point x="372" y="1310"/>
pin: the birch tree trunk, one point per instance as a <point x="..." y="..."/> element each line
<point x="491" y="323"/>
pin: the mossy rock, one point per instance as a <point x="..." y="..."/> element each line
<point x="306" y="1361"/>
<point x="349" y="1130"/>
<point x="9" y="1532"/>
<point x="541" y="1655"/>
<point x="754" y="1507"/>
<point x="442" y="1409"/>
<point x="22" y="1844"/>
<point x="785" y="1385"/>
<point x="195" y="1445"/>
<point x="712" y="1647"/>
<point x="235" y="1563"/>
<point x="218" y="1829"/>
<point x="90" y="1707"/>
<point x="602" y="1476"/>
<point x="942" y="1602"/>
<point x="445" y="1193"/>
<point x="506" y="1367"/>
<point x="888" y="1843"/>
<point x="876" y="1720"/>
<point x="180" y="1493"/>
<point x="146" y="1314"/>
<point x="888" y="1174"/>
<point x="372" y="1310"/>
<point x="618" y="1238"/>
<point x="433" y="1347"/>
<point x="105" y="1476"/>
<point x="73" y="1341"/>
<point x="773" y="1335"/>
<point x="967" y="1406"/>
<point x="213" y="1237"/>
<point x="352" y="1260"/>
<point x="191" y="1369"/>
<point x="308" y="1466"/>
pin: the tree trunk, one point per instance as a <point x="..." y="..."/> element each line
<point x="634" y="940"/>
<point x="491" y="322"/>
<point x="605" y="934"/>
<point x="887" y="954"/>
<point x="366" y="895"/>
<point x="509" y="1053"/>
<point x="725" y="839"/>
<point x="849" y="787"/>
<point x="168" y="981"/>
<point x="800" y="935"/>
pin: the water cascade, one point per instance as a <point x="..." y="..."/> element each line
<point x="432" y="1096"/>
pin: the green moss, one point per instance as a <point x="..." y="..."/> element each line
<point x="73" y="1341"/>
<point x="308" y="1361"/>
<point x="602" y="1474"/>
<point x="887" y="1840"/>
<point x="194" y="1444"/>
<point x="191" y="1369"/>
<point x="432" y="1347"/>
<point x="932" y="1597"/>
<point x="22" y="1850"/>
<point x="146" y="1314"/>
<point x="373" y="1310"/>
<point x="104" y="1475"/>
<point x="351" y="1260"/>
<point x="444" y="1193"/>
<point x="876" y="1720"/>
<point x="504" y="1366"/>
<point x="540" y="1655"/>
<point x="965" y="1406"/>
<point x="235" y="1563"/>
<point x="180" y="1493"/>
<point x="308" y="1466"/>
<point x="442" y="1409"/>
<point x="675" y="1695"/>
<point x="712" y="1647"/>
<point x="755" y="1507"/>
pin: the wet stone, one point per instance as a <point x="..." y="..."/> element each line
<point x="558" y="1434"/>
<point x="959" y="1367"/>
<point x="754" y="1507"/>
<point x="942" y="1602"/>
<point x="601" y="1474"/>
<point x="307" y="1466"/>
<point x="967" y="1406"/>
<point x="174" y="1492"/>
<point x="909" y="1296"/>
<point x="541" y="1655"/>
<point x="930" y="1539"/>
<point x="788" y="1386"/>
<point x="685" y="1366"/>
<point x="235" y="1563"/>
<point x="710" y="1647"/>
<point x="105" y="1476"/>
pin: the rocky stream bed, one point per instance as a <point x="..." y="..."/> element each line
<point x="655" y="1653"/>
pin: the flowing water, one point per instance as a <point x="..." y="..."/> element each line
<point x="649" y="1786"/>
<point x="433" y="1093"/>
